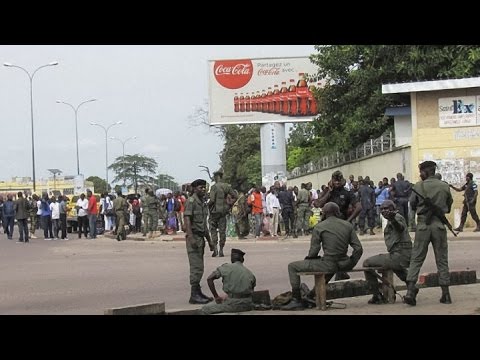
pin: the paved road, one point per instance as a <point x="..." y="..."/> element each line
<point x="83" y="276"/>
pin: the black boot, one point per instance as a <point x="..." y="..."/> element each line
<point x="196" y="297"/>
<point x="295" y="235"/>
<point x="204" y="296"/>
<point x="412" y="291"/>
<point x="459" y="229"/>
<point x="377" y="298"/>
<point x="215" y="251"/>
<point x="220" y="253"/>
<point x="296" y="303"/>
<point x="445" y="299"/>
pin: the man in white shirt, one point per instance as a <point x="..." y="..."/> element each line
<point x="273" y="209"/>
<point x="55" y="209"/>
<point x="82" y="212"/>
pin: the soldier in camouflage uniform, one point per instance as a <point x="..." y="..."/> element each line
<point x="303" y="211"/>
<point x="221" y="198"/>
<point x="238" y="284"/>
<point x="150" y="213"/>
<point x="120" y="208"/>
<point x="399" y="247"/>
<point x="195" y="217"/>
<point x="434" y="232"/>
<point x="32" y="212"/>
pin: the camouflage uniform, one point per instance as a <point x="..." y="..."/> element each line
<point x="218" y="212"/>
<point x="238" y="284"/>
<point x="197" y="211"/>
<point x="119" y="207"/>
<point x="32" y="212"/>
<point x="303" y="210"/>
<point x="399" y="247"/>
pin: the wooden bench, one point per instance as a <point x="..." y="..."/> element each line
<point x="321" y="286"/>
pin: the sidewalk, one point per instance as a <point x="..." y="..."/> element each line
<point x="468" y="234"/>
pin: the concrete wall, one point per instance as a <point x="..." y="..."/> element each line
<point x="376" y="166"/>
<point x="456" y="150"/>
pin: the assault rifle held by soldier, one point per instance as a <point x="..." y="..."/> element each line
<point x="434" y="210"/>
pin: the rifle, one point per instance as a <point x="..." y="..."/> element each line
<point x="434" y="210"/>
<point x="386" y="282"/>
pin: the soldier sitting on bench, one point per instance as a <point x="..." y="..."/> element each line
<point x="399" y="247"/>
<point x="334" y="235"/>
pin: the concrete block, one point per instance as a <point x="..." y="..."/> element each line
<point x="142" y="309"/>
<point x="456" y="278"/>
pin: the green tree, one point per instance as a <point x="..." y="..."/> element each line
<point x="352" y="106"/>
<point x="240" y="157"/>
<point x="134" y="170"/>
<point x="100" y="185"/>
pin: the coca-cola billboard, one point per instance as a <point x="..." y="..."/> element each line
<point x="249" y="91"/>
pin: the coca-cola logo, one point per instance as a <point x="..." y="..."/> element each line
<point x="233" y="74"/>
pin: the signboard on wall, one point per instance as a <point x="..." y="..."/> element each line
<point x="459" y="111"/>
<point x="252" y="91"/>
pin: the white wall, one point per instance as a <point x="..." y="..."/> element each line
<point x="376" y="166"/>
<point x="403" y="130"/>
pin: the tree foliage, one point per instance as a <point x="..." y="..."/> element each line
<point x="240" y="157"/>
<point x="134" y="170"/>
<point x="352" y="106"/>
<point x="99" y="185"/>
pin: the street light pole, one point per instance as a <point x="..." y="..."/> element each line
<point x="53" y="63"/>
<point x="76" y="125"/>
<point x="123" y="146"/>
<point x="106" y="144"/>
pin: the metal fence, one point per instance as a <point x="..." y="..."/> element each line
<point x="384" y="143"/>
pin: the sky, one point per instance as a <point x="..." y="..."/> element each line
<point x="151" y="89"/>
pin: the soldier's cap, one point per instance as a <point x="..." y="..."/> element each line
<point x="218" y="172"/>
<point x="198" y="182"/>
<point x="238" y="251"/>
<point x="427" y="164"/>
<point x="337" y="175"/>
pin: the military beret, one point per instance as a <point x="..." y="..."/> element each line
<point x="427" y="164"/>
<point x="218" y="172"/>
<point x="198" y="182"/>
<point x="337" y="174"/>
<point x="237" y="251"/>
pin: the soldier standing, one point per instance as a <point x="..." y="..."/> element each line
<point x="150" y="213"/>
<point x="33" y="215"/>
<point x="218" y="211"/>
<point x="429" y="230"/>
<point x="303" y="210"/>
<point x="399" y="247"/>
<point x="238" y="284"/>
<point x="195" y="217"/>
<point x="119" y="207"/>
<point x="469" y="202"/>
<point x="401" y="192"/>
<point x="334" y="235"/>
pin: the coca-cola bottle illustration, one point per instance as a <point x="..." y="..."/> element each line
<point x="283" y="99"/>
<point x="276" y="100"/>
<point x="269" y="99"/>
<point x="292" y="99"/>
<point x="258" y="98"/>
<point x="263" y="101"/>
<point x="236" y="106"/>
<point x="312" y="102"/>
<point x="302" y="95"/>
<point x="242" y="102"/>
<point x="247" y="102"/>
